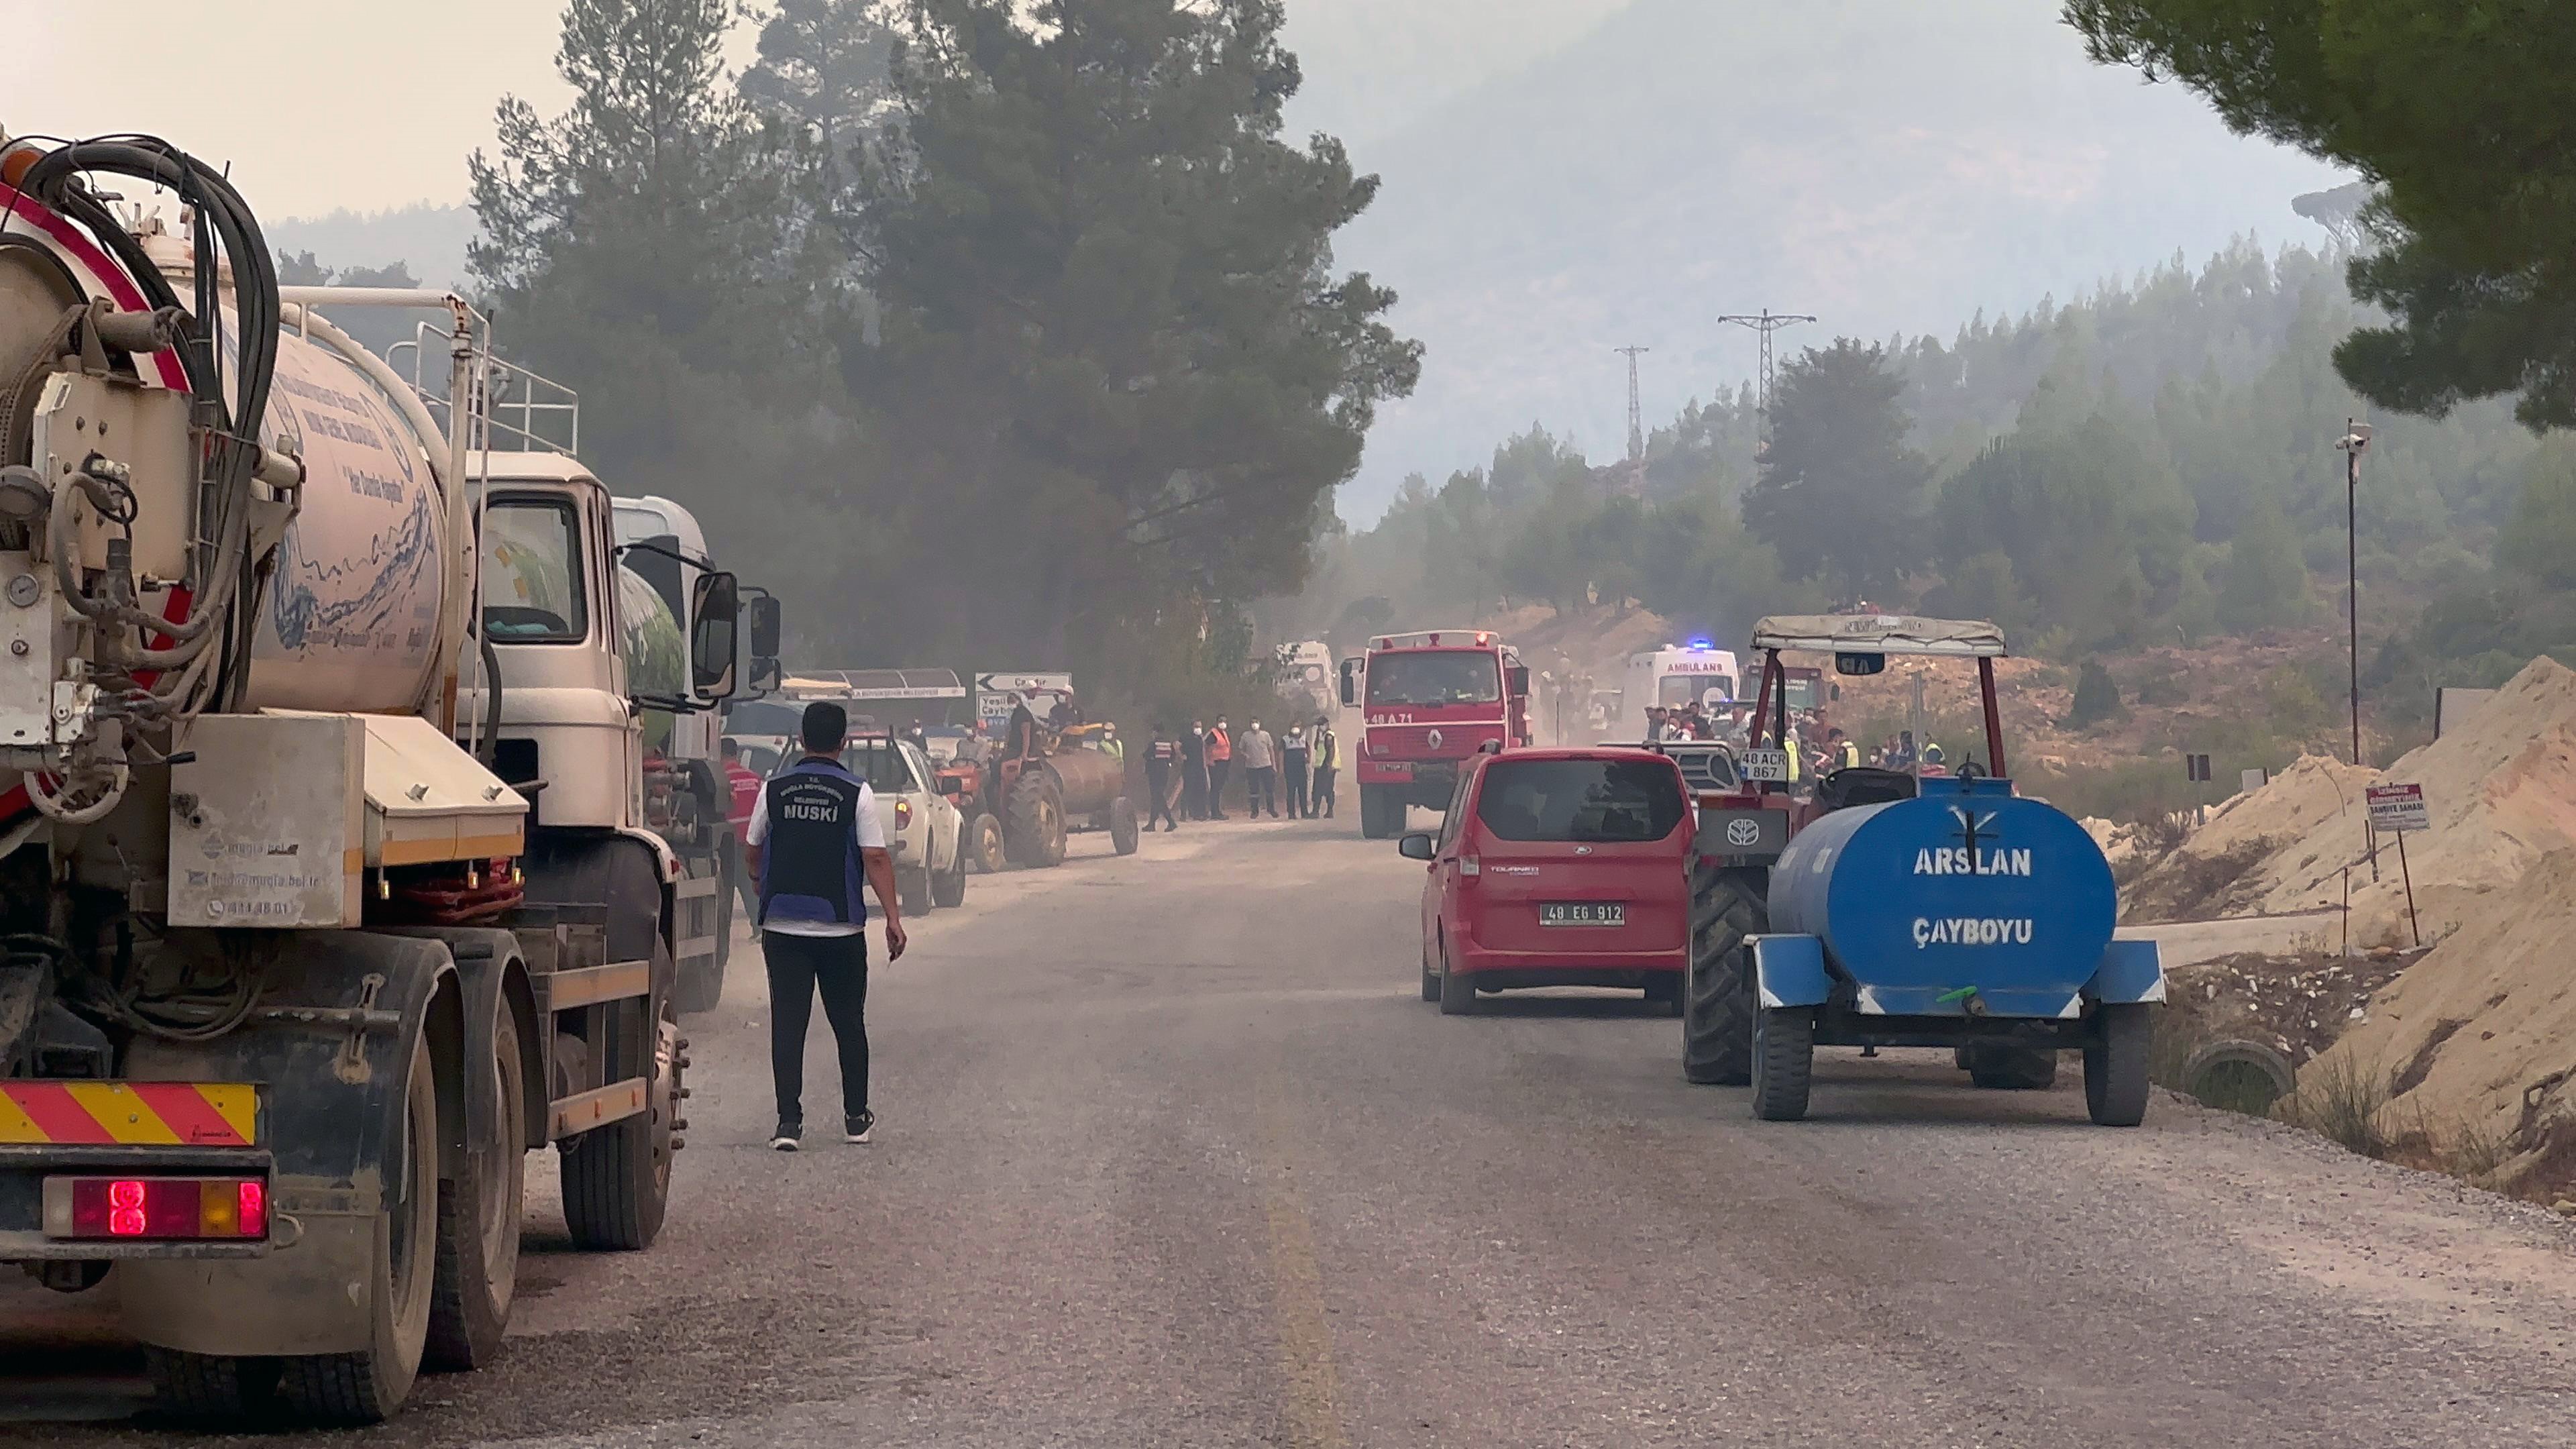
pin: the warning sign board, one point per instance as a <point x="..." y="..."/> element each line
<point x="2398" y="807"/>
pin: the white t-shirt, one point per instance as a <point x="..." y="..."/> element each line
<point x="871" y="836"/>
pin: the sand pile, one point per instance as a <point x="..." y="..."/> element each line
<point x="2478" y="1040"/>
<point x="2500" y="788"/>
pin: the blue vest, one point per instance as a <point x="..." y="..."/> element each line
<point x="809" y="867"/>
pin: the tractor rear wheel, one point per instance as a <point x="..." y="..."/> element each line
<point x="1033" y="820"/>
<point x="1727" y="905"/>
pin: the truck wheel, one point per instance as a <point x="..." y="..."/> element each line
<point x="210" y="1390"/>
<point x="478" y="1221"/>
<point x="1122" y="825"/>
<point x="2115" y="1065"/>
<point x="948" y="888"/>
<point x="1727" y="905"/>
<point x="2001" y="1067"/>
<point x="1457" y="991"/>
<point x="1377" y="804"/>
<point x="1033" y="821"/>
<point x="617" y="1178"/>
<point x="1784" y="1061"/>
<point x="367" y="1386"/>
<point x="912" y="888"/>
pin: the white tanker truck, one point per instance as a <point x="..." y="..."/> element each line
<point x="324" y="896"/>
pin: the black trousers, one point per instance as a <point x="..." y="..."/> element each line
<point x="1158" y="783"/>
<point x="799" y="966"/>
<point x="1261" y="790"/>
<point x="1217" y="771"/>
<point x="1295" y="773"/>
<point x="1322" y="804"/>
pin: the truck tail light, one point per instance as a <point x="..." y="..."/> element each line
<point x="150" y="1208"/>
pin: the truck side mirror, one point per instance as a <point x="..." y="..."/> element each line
<point x="715" y="604"/>
<point x="1351" y="683"/>
<point x="764" y="613"/>
<point x="1520" y="678"/>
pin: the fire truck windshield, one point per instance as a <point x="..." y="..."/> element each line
<point x="1435" y="676"/>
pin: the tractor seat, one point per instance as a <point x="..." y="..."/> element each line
<point x="1862" y="785"/>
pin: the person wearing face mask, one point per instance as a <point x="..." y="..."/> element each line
<point x="1220" y="761"/>
<point x="1293" y="757"/>
<point x="1260" y="772"/>
<point x="1327" y="749"/>
<point x="1194" y="771"/>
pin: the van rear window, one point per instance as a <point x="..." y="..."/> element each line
<point x="1580" y="800"/>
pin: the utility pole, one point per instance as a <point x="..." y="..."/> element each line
<point x="1636" y="414"/>
<point x="1766" y="322"/>
<point x="2355" y="442"/>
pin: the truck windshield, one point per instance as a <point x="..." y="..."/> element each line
<point x="1580" y="800"/>
<point x="532" y="580"/>
<point x="1454" y="676"/>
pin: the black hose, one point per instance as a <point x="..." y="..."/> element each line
<point x="488" y="748"/>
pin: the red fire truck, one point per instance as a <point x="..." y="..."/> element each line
<point x="1429" y="700"/>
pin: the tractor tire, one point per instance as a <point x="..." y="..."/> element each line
<point x="1784" y="1061"/>
<point x="2003" y="1067"/>
<point x="365" y="1387"/>
<point x="912" y="889"/>
<point x="1033" y="821"/>
<point x="1381" y="812"/>
<point x="1122" y="825"/>
<point x="2115" y="1065"/>
<point x="617" y="1178"/>
<point x="1727" y="905"/>
<point x="948" y="888"/>
<point x="478" y="1220"/>
<point x="981" y="844"/>
<point x="1457" y="992"/>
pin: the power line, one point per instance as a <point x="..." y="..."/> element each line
<point x="1766" y="322"/>
<point x="1636" y="414"/>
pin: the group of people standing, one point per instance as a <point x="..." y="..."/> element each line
<point x="1186" y="771"/>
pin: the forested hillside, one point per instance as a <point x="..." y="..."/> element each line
<point x="2152" y="463"/>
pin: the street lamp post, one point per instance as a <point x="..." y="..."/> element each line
<point x="2355" y="442"/>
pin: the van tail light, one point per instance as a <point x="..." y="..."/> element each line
<point x="232" y="1209"/>
<point x="1471" y="865"/>
<point x="903" y="812"/>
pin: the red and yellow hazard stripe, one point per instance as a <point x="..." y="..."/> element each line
<point x="155" y="1114"/>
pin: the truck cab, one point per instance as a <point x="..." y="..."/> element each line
<point x="1430" y="699"/>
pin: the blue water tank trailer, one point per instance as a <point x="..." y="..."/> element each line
<point x="1965" y="917"/>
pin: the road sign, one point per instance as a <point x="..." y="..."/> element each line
<point x="2252" y="780"/>
<point x="2195" y="768"/>
<point x="1771" y="767"/>
<point x="2397" y="807"/>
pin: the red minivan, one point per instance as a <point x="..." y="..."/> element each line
<point x="1558" y="867"/>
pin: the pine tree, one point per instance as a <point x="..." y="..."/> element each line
<point x="2097" y="696"/>
<point x="2264" y="582"/>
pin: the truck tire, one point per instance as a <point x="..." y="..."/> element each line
<point x="981" y="844"/>
<point x="617" y="1178"/>
<point x="1727" y="905"/>
<point x="1784" y="1061"/>
<point x="948" y="888"/>
<point x="204" y="1390"/>
<point x="1122" y="825"/>
<point x="2003" y="1067"/>
<point x="1033" y="821"/>
<point x="912" y="888"/>
<point x="479" y="1213"/>
<point x="366" y="1386"/>
<point x="1381" y="812"/>
<point x="2115" y="1065"/>
<point x="1457" y="991"/>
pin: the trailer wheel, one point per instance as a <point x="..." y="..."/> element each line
<point x="1457" y="992"/>
<point x="367" y="1386"/>
<point x="1122" y="825"/>
<point x="210" y="1390"/>
<point x="478" y="1221"/>
<point x="982" y="844"/>
<point x="617" y="1178"/>
<point x="1727" y="905"/>
<point x="2115" y="1065"/>
<point x="1784" y="1061"/>
<point x="948" y="888"/>
<point x="2003" y="1067"/>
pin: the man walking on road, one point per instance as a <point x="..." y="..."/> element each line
<point x="1327" y="749"/>
<point x="1162" y="759"/>
<point x="812" y="836"/>
<point x="1220" y="758"/>
<point x="1293" y="756"/>
<point x="1260" y="772"/>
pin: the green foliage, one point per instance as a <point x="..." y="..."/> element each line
<point x="2097" y="698"/>
<point x="1840" y="487"/>
<point x="2540" y="544"/>
<point x="2458" y="113"/>
<point x="2263" y="582"/>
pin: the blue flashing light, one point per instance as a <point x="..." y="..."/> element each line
<point x="1703" y="644"/>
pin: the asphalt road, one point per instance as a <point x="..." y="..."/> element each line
<point x="1171" y="1155"/>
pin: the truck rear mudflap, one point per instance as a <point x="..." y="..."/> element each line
<point x="99" y="1170"/>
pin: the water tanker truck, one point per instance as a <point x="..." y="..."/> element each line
<point x="1886" y="910"/>
<point x="325" y="894"/>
